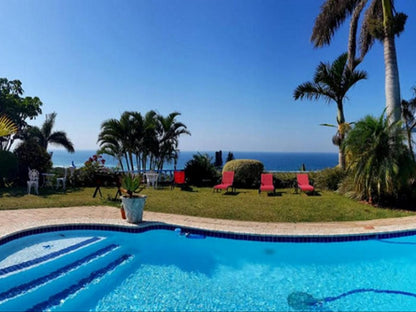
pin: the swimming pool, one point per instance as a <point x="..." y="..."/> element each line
<point x="97" y="270"/>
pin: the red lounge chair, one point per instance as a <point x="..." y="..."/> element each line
<point x="267" y="183"/>
<point x="303" y="183"/>
<point x="227" y="181"/>
<point x="178" y="179"/>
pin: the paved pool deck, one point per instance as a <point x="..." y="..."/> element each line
<point x="12" y="221"/>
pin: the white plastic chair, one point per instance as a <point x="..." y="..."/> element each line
<point x="33" y="181"/>
<point x="61" y="180"/>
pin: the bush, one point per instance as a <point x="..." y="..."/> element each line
<point x="93" y="173"/>
<point x="8" y="167"/>
<point x="200" y="170"/>
<point x="247" y="172"/>
<point x="31" y="155"/>
<point x="328" y="179"/>
<point x="284" y="179"/>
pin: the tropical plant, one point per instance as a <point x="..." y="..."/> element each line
<point x="8" y="167"/>
<point x="131" y="183"/>
<point x="200" y="170"/>
<point x="45" y="134"/>
<point x="31" y="155"/>
<point x="151" y="140"/>
<point x="168" y="131"/>
<point x="332" y="82"/>
<point x="408" y="112"/>
<point x="17" y="108"/>
<point x="7" y="127"/>
<point x="381" y="22"/>
<point x="378" y="159"/>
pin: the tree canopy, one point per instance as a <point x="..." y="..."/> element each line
<point x="17" y="108"/>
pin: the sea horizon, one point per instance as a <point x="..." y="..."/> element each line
<point x="273" y="161"/>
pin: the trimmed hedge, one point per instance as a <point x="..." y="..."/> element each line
<point x="247" y="172"/>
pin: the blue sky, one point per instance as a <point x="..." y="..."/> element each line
<point x="228" y="66"/>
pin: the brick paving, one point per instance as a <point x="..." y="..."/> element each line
<point x="16" y="220"/>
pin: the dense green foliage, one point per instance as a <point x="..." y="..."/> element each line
<point x="31" y="155"/>
<point x="247" y="172"/>
<point x="409" y="112"/>
<point x="8" y="166"/>
<point x="200" y="170"/>
<point x="328" y="179"/>
<point x="17" y="108"/>
<point x="378" y="160"/>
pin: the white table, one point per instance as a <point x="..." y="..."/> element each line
<point x="151" y="178"/>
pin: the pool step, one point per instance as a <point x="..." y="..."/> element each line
<point x="60" y="297"/>
<point x="47" y="257"/>
<point x="23" y="288"/>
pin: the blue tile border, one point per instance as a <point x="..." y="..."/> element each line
<point x="210" y="233"/>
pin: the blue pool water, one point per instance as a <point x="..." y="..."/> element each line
<point x="161" y="270"/>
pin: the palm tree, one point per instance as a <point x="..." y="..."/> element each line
<point x="7" y="127"/>
<point x="380" y="22"/>
<point x="117" y="138"/>
<point x="45" y="136"/>
<point x="377" y="158"/>
<point x="168" y="131"/>
<point x="332" y="82"/>
<point x="408" y="112"/>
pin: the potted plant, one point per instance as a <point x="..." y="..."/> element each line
<point x="132" y="202"/>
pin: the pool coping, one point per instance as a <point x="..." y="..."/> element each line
<point x="101" y="216"/>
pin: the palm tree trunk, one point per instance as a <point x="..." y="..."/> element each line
<point x="131" y="161"/>
<point x="341" y="121"/>
<point x="127" y="161"/>
<point x="120" y="162"/>
<point x="392" y="84"/>
<point x="341" y="157"/>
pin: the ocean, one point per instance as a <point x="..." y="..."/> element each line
<point x="273" y="161"/>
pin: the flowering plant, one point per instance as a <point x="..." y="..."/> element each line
<point x="95" y="161"/>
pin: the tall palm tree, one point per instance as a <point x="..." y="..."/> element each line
<point x="45" y="134"/>
<point x="332" y="82"/>
<point x="377" y="158"/>
<point x="380" y="22"/>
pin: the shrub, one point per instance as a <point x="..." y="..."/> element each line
<point x="329" y="178"/>
<point x="247" y="172"/>
<point x="378" y="160"/>
<point x="200" y="170"/>
<point x="94" y="172"/>
<point x="8" y="167"/>
<point x="31" y="155"/>
<point x="284" y="179"/>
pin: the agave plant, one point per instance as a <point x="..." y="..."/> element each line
<point x="7" y="127"/>
<point x="131" y="184"/>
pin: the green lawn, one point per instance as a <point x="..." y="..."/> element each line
<point x="245" y="205"/>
